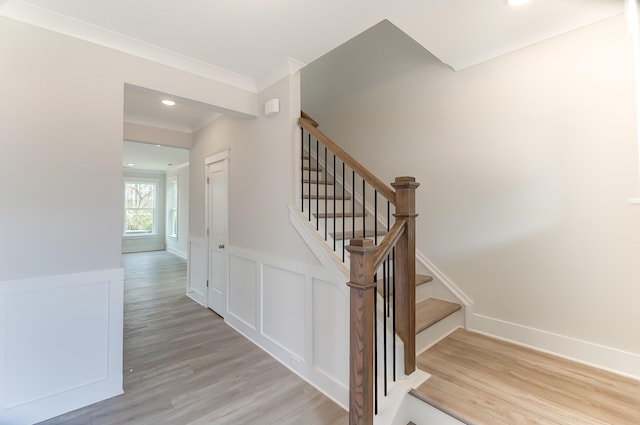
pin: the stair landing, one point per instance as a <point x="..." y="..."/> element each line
<point x="484" y="381"/>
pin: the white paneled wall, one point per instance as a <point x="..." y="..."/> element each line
<point x="296" y="312"/>
<point x="62" y="344"/>
<point x="197" y="270"/>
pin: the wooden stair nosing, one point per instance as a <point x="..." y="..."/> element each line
<point x="415" y="393"/>
<point x="421" y="279"/>
<point x="431" y="311"/>
<point x="339" y="215"/>
<point x="327" y="197"/>
<point x="369" y="233"/>
<point x="307" y="181"/>
<point x="311" y="168"/>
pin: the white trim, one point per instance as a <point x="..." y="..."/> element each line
<point x="288" y="68"/>
<point x="448" y="283"/>
<point x="72" y="27"/>
<point x="218" y="156"/>
<point x="99" y="378"/>
<point x="607" y="358"/>
<point x="319" y="247"/>
<point x="177" y="252"/>
<point x="302" y="364"/>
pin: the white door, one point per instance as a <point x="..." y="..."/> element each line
<point x="218" y="235"/>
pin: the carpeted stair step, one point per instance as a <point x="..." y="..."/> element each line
<point x="431" y="311"/>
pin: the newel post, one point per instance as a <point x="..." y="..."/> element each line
<point x="362" y="344"/>
<point x="405" y="295"/>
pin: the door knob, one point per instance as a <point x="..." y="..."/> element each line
<point x="221" y="246"/>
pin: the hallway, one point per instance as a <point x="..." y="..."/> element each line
<point x="184" y="366"/>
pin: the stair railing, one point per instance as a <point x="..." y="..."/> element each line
<point x="386" y="268"/>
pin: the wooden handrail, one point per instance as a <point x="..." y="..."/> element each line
<point x="308" y="118"/>
<point x="349" y="161"/>
<point x="390" y="240"/>
<point x="365" y="260"/>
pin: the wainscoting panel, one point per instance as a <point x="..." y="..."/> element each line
<point x="330" y="313"/>
<point x="243" y="290"/>
<point x="296" y="312"/>
<point x="62" y="344"/>
<point x="283" y="308"/>
<point x="197" y="270"/>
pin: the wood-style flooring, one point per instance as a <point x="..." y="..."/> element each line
<point x="184" y="366"/>
<point x="484" y="381"/>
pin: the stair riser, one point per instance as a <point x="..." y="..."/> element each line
<point x="437" y="332"/>
<point x="321" y="206"/>
<point x="321" y="189"/>
<point x="313" y="175"/>
<point x="349" y="224"/>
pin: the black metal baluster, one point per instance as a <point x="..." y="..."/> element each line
<point x="309" y="177"/>
<point x="388" y="257"/>
<point x="364" y="224"/>
<point x="326" y="194"/>
<point x="394" y="313"/>
<point x="334" y="203"/>
<point x="353" y="203"/>
<point x="317" y="184"/>
<point x="344" y="205"/>
<point x="302" y="169"/>
<point x="384" y="316"/>
<point x="375" y="215"/>
<point x="375" y="351"/>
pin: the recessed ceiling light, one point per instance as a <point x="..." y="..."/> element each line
<point x="159" y="146"/>
<point x="130" y="165"/>
<point x="517" y="2"/>
<point x="168" y="102"/>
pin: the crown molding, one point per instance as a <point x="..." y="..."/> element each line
<point x="287" y="68"/>
<point x="72" y="27"/>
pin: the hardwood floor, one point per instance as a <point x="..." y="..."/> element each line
<point x="484" y="381"/>
<point x="184" y="366"/>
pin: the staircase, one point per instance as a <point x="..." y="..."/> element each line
<point x="344" y="201"/>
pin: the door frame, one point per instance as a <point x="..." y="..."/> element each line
<point x="222" y="156"/>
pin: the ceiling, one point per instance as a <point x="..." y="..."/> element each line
<point x="145" y="156"/>
<point x="144" y="106"/>
<point x="251" y="44"/>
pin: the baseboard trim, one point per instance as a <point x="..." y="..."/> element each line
<point x="607" y="358"/>
<point x="177" y="253"/>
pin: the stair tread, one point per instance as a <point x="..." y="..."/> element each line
<point x="311" y="168"/>
<point x="329" y="182"/>
<point x="338" y="215"/>
<point x="358" y="234"/>
<point x="327" y="197"/>
<point x="431" y="311"/>
<point x="421" y="279"/>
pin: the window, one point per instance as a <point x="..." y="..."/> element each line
<point x="139" y="208"/>
<point x="172" y="207"/>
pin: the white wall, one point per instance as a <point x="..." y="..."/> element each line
<point x="180" y="244"/>
<point x="261" y="177"/>
<point x="526" y="163"/>
<point x="278" y="296"/>
<point x="61" y="131"/>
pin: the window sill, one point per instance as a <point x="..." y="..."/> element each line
<point x="141" y="236"/>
